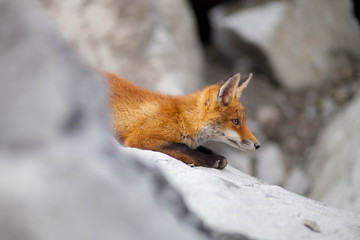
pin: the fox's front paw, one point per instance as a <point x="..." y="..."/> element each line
<point x="220" y="164"/>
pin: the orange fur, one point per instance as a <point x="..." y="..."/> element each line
<point x="175" y="124"/>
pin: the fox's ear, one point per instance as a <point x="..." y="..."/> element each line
<point x="228" y="89"/>
<point x="242" y="85"/>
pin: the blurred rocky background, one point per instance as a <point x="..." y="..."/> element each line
<point x="153" y="43"/>
<point x="62" y="176"/>
<point x="305" y="54"/>
<point x="303" y="103"/>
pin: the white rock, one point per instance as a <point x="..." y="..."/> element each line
<point x="243" y="22"/>
<point x="61" y="176"/>
<point x="301" y="43"/>
<point x="335" y="160"/>
<point x="234" y="202"/>
<point x="151" y="43"/>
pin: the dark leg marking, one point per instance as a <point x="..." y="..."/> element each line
<point x="205" y="150"/>
<point x="202" y="155"/>
<point x="208" y="151"/>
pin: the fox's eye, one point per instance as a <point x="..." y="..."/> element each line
<point x="236" y="121"/>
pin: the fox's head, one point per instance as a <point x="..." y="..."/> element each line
<point x="224" y="117"/>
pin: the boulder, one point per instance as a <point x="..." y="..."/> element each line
<point x="335" y="161"/>
<point x="301" y="43"/>
<point x="236" y="203"/>
<point x="61" y="175"/>
<point x="151" y="43"/>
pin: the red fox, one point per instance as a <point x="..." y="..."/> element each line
<point x="178" y="125"/>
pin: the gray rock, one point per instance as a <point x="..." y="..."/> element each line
<point x="335" y="161"/>
<point x="270" y="165"/>
<point x="300" y="43"/>
<point x="232" y="201"/>
<point x="238" y="159"/>
<point x="297" y="181"/>
<point x="151" y="43"/>
<point x="61" y="175"/>
<point x="268" y="115"/>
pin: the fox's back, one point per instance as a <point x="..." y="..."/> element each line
<point x="135" y="109"/>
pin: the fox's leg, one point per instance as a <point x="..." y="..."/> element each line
<point x="211" y="152"/>
<point x="206" y="150"/>
<point x="179" y="151"/>
<point x="206" y="159"/>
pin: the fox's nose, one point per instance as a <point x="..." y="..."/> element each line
<point x="257" y="145"/>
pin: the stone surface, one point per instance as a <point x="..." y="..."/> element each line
<point x="61" y="175"/>
<point x="301" y="43"/>
<point x="335" y="161"/>
<point x="151" y="43"/>
<point x="232" y="201"/>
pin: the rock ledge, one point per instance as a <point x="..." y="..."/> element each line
<point x="233" y="202"/>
